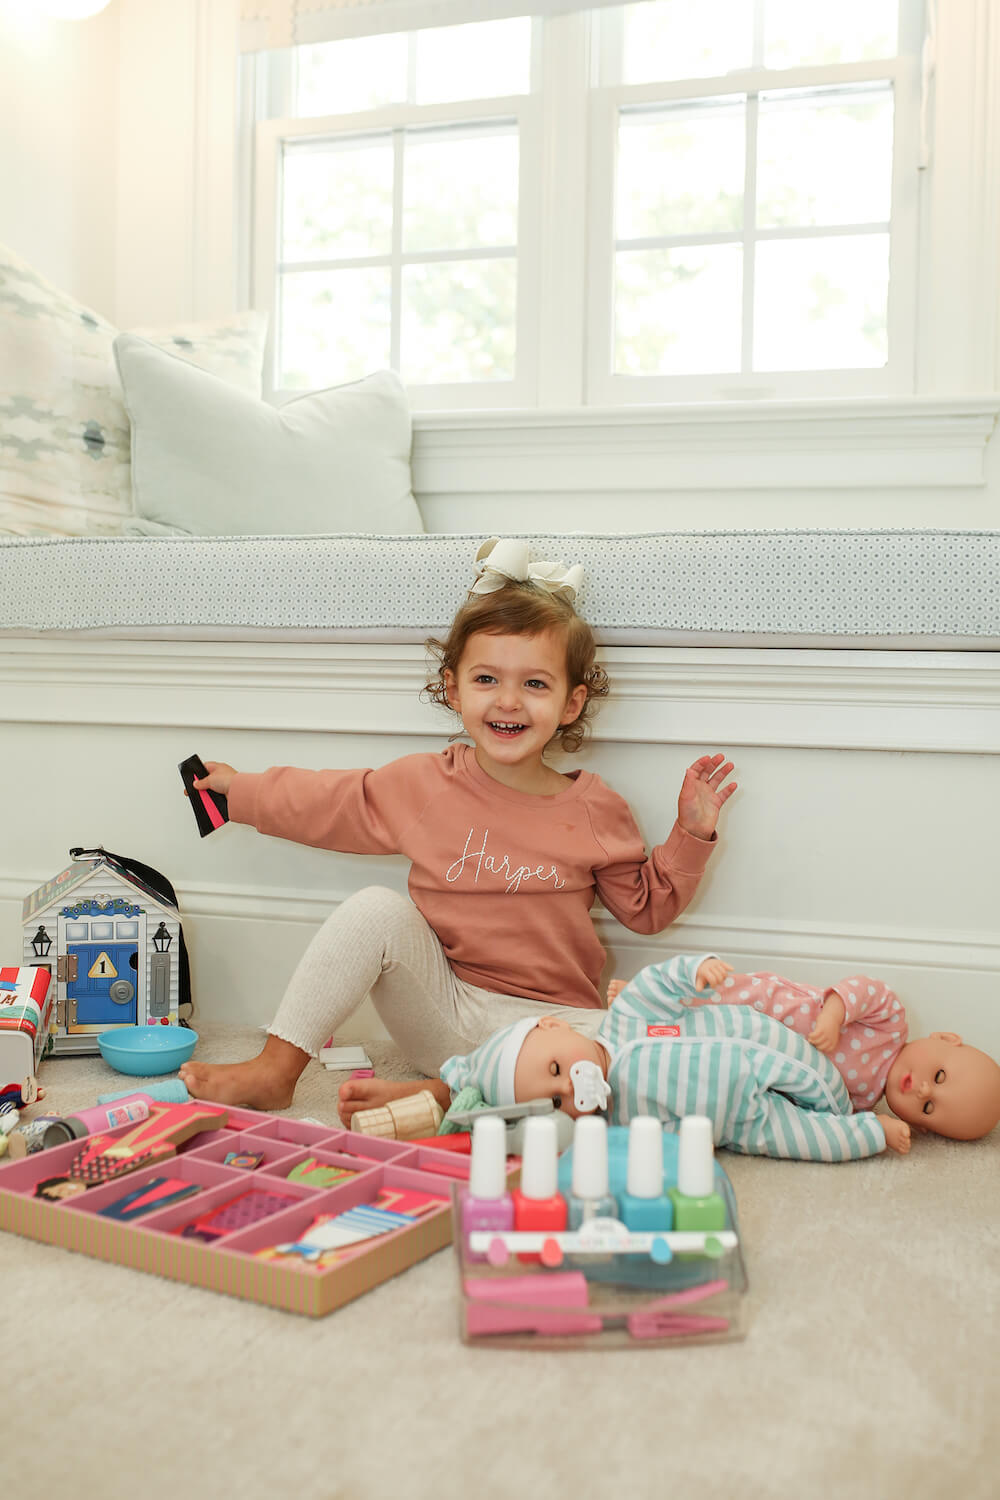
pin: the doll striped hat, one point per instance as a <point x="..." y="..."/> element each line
<point x="490" y="1066"/>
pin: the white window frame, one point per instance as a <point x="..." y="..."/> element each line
<point x="525" y="110"/>
<point x="567" y="130"/>
<point x="605" y="388"/>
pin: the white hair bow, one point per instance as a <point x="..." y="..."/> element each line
<point x="508" y="561"/>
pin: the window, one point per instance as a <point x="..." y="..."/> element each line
<point x="663" y="202"/>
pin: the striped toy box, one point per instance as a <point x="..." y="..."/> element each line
<point x="26" y="998"/>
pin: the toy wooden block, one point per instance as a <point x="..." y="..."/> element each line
<point x="406" y="1119"/>
<point x="294" y="1243"/>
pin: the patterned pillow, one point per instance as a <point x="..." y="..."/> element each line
<point x="64" y="432"/>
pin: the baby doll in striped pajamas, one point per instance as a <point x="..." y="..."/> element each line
<point x="759" y="1068"/>
<point x="936" y="1083"/>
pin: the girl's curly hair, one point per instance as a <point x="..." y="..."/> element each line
<point x="524" y="609"/>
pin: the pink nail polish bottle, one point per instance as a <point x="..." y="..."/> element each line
<point x="537" y="1204"/>
<point x="487" y="1203"/>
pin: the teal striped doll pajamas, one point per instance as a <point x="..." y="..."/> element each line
<point x="767" y="1091"/>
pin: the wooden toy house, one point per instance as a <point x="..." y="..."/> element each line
<point x="112" y="945"/>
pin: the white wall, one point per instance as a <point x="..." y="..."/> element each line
<point x="59" y="147"/>
<point x="846" y="848"/>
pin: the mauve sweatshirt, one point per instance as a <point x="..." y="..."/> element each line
<point x="505" y="879"/>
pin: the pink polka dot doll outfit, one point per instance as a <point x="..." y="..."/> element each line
<point x="873" y="1033"/>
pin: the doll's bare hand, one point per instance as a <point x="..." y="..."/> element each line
<point x="219" y="777"/>
<point x="826" y="1033"/>
<point x="897" y="1133"/>
<point x="702" y="795"/>
<point x="711" y="973"/>
<point x="615" y="987"/>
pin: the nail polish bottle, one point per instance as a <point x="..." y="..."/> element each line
<point x="537" y="1204"/>
<point x="589" y="1194"/>
<point x="644" y="1205"/>
<point x="487" y="1203"/>
<point x="696" y="1203"/>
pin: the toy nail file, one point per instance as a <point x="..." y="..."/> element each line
<point x="675" y="1327"/>
<point x="591" y="1089"/>
<point x="157" y="1193"/>
<point x="600" y="1236"/>
<point x="211" y="809"/>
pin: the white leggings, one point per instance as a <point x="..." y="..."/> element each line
<point x="377" y="941"/>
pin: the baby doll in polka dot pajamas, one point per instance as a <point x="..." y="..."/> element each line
<point x="933" y="1083"/>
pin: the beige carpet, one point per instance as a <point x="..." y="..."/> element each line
<point x="871" y="1370"/>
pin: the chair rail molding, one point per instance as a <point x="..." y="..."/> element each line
<point x="931" y="701"/>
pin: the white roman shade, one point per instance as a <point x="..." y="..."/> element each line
<point x="269" y="24"/>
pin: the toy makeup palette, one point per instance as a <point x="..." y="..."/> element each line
<point x="323" y="1216"/>
<point x="637" y="1260"/>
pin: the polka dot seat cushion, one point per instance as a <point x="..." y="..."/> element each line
<point x="922" y="590"/>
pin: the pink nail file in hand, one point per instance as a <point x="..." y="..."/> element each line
<point x="211" y="810"/>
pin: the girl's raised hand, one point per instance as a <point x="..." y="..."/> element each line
<point x="702" y="795"/>
<point x="218" y="779"/>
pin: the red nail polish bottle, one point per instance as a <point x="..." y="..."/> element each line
<point x="537" y="1204"/>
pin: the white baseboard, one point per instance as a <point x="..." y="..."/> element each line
<point x="245" y="943"/>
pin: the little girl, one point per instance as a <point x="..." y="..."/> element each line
<point x="507" y="854"/>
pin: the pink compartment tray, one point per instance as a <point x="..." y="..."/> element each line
<point x="232" y="1263"/>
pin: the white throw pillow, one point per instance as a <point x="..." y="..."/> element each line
<point x="210" y="460"/>
<point x="64" y="434"/>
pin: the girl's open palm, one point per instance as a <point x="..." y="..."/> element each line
<point x="702" y="795"/>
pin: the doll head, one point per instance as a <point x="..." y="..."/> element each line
<point x="547" y="1053"/>
<point x="528" y="1059"/>
<point x="939" y="1084"/>
<point x="514" y="606"/>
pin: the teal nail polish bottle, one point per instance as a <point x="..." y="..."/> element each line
<point x="644" y="1205"/>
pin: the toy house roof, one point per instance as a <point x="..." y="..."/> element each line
<point x="55" y="891"/>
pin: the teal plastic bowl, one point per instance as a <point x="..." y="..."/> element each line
<point x="145" y="1051"/>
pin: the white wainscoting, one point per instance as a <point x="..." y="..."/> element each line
<point x="863" y="837"/>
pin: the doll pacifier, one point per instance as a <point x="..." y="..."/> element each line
<point x="591" y="1089"/>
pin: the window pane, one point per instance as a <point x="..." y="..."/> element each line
<point x="480" y="61"/>
<point x="848" y="31"/>
<point x="334" y="326"/>
<point x="824" y="159"/>
<point x="677" y="311"/>
<point x="336" y="78"/>
<point x="459" y="321"/>
<point x="680" y="171"/>
<point x="821" y="303"/>
<point x="668" y="39"/>
<point x="337" y="200"/>
<point x="460" y="190"/>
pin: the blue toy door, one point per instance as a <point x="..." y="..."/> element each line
<point x="105" y="985"/>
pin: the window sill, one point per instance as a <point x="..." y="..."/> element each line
<point x="918" y="442"/>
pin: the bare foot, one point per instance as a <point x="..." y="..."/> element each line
<point x="373" y="1093"/>
<point x="264" y="1082"/>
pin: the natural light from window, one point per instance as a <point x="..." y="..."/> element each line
<point x="736" y="217"/>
